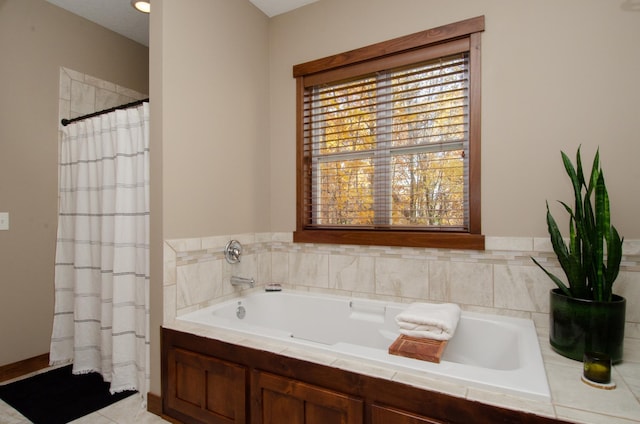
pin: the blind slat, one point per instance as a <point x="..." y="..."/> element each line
<point x="389" y="151"/>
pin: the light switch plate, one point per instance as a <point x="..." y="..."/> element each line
<point x="4" y="221"/>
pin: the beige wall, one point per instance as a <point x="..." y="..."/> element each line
<point x="215" y="118"/>
<point x="36" y="39"/>
<point x="209" y="128"/>
<point x="554" y="75"/>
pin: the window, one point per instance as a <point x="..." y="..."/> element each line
<point x="388" y="142"/>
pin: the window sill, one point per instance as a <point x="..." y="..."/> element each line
<point x="398" y="238"/>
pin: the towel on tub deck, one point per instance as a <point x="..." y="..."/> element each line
<point x="436" y="321"/>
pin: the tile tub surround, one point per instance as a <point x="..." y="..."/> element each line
<point x="81" y="94"/>
<point x="500" y="280"/>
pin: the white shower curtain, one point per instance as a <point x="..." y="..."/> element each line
<point x="101" y="320"/>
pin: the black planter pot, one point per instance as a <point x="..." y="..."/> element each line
<point x="579" y="325"/>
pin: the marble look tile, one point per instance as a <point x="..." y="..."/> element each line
<point x="426" y="382"/>
<point x="131" y="408"/>
<point x="83" y="98"/>
<point x="630" y="372"/>
<point x="631" y="247"/>
<point x="363" y="367"/>
<point x="585" y="417"/>
<point x="439" y="281"/>
<point x="169" y="299"/>
<point x="570" y="392"/>
<point x="263" y="237"/>
<point x="632" y="330"/>
<point x="542" y="244"/>
<point x="309" y="269"/>
<point x="521" y="288"/>
<point x="467" y="283"/>
<point x="352" y="273"/>
<point x="128" y="410"/>
<point x="169" y="267"/>
<point x="244" y="239"/>
<point x="8" y="415"/>
<point x="216" y="243"/>
<point x="264" y="266"/>
<point x="74" y="75"/>
<point x="282" y="237"/>
<point x="502" y="400"/>
<point x="168" y="252"/>
<point x="130" y="93"/>
<point x="246" y="268"/>
<point x="64" y="111"/>
<point x="631" y="350"/>
<point x="262" y="343"/>
<point x="628" y="285"/>
<point x="198" y="282"/>
<point x="106" y="99"/>
<point x="519" y="244"/>
<point x="402" y="277"/>
<point x="185" y="245"/>
<point x="65" y="85"/>
<point x="93" y="418"/>
<point x="280" y="267"/>
<point x="309" y="354"/>
<point x="550" y="356"/>
<point x="540" y="320"/>
<point x="100" y="83"/>
<point x="210" y="332"/>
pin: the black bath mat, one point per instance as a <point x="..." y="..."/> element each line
<point x="58" y="396"/>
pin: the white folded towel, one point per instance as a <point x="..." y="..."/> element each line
<point x="436" y="321"/>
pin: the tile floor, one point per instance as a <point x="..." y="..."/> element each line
<point x="127" y="411"/>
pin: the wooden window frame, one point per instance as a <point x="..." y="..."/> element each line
<point x="309" y="73"/>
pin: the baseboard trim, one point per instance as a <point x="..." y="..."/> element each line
<point x="26" y="366"/>
<point x="154" y="405"/>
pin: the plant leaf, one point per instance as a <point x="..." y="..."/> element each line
<point x="602" y="226"/>
<point x="614" y="257"/>
<point x="555" y="279"/>
<point x="575" y="181"/>
<point x="569" y="261"/>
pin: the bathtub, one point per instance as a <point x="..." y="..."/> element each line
<point x="492" y="352"/>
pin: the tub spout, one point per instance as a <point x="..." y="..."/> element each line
<point x="239" y="281"/>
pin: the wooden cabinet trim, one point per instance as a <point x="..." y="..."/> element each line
<point x="374" y="392"/>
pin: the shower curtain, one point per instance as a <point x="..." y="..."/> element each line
<point x="101" y="316"/>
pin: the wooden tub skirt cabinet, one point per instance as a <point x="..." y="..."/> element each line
<point x="210" y="381"/>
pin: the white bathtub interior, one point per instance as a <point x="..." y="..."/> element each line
<point x="488" y="351"/>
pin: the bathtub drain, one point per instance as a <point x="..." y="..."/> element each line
<point x="241" y="311"/>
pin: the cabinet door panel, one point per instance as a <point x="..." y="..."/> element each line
<point x="285" y="400"/>
<point x="320" y="414"/>
<point x="384" y="415"/>
<point x="189" y="386"/>
<point x="206" y="388"/>
<point x="276" y="406"/>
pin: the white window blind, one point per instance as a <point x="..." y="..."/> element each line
<point x="389" y="150"/>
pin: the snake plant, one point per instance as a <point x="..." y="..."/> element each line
<point x="589" y="274"/>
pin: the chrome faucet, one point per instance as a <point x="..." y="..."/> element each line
<point x="232" y="251"/>
<point x="239" y="281"/>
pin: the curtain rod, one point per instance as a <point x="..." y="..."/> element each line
<point x="66" y="122"/>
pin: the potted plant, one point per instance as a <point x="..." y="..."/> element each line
<point x="585" y="315"/>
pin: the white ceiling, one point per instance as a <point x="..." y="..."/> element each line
<point x="119" y="16"/>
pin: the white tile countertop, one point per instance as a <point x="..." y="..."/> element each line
<point x="577" y="402"/>
<point x="571" y="399"/>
